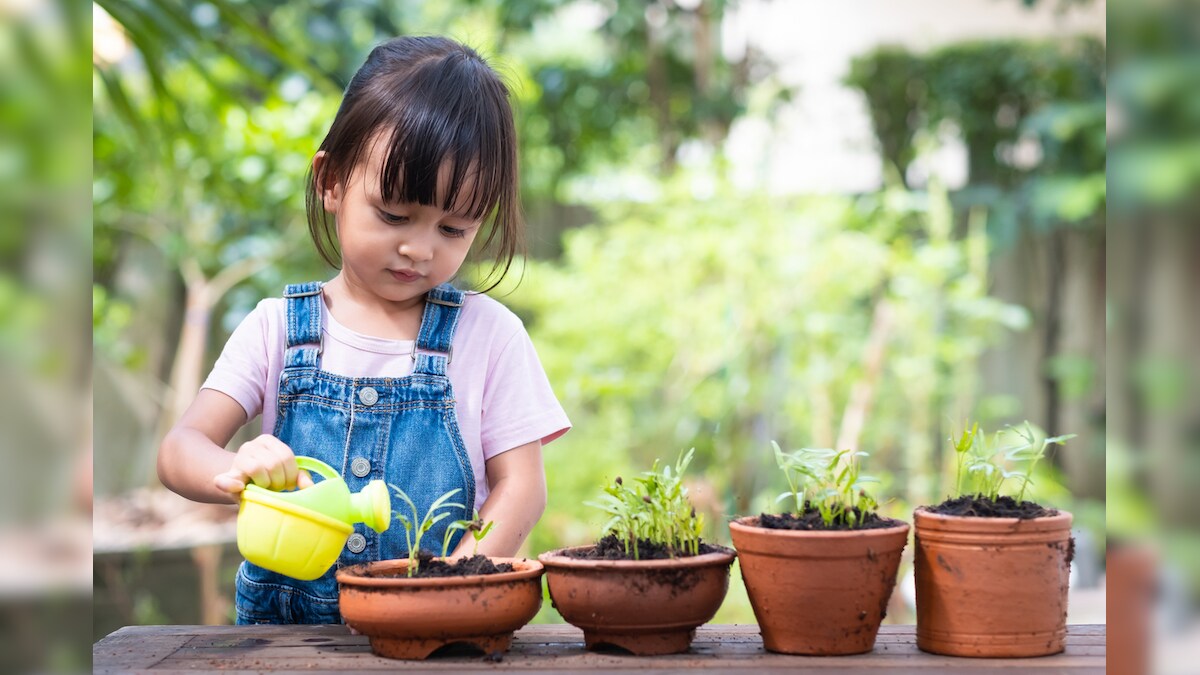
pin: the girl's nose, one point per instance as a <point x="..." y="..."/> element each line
<point x="416" y="249"/>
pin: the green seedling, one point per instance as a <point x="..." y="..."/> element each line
<point x="416" y="526"/>
<point x="655" y="508"/>
<point x="982" y="466"/>
<point x="475" y="526"/>
<point x="828" y="481"/>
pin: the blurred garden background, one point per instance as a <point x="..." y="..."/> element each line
<point x="851" y="225"/>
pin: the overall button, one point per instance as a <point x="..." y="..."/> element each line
<point x="360" y="467"/>
<point x="356" y="543"/>
<point x="368" y="396"/>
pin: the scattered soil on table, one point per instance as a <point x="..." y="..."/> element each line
<point x="982" y="507"/>
<point x="612" y="548"/>
<point x="464" y="567"/>
<point x="811" y="520"/>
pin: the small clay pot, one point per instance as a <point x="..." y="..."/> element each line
<point x="992" y="587"/>
<point x="411" y="618"/>
<point x="644" y="606"/>
<point x="818" y="592"/>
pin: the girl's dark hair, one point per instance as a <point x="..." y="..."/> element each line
<point x="434" y="102"/>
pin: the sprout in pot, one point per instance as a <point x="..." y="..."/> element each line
<point x="475" y="526"/>
<point x="826" y="491"/>
<point x="987" y="557"/>
<point x="421" y="562"/>
<point x="819" y="577"/>
<point x="651" y="519"/>
<point x="984" y="468"/>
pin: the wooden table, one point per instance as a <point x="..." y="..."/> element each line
<point x="543" y="648"/>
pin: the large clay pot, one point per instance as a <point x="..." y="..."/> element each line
<point x="644" y="606"/>
<point x="992" y="587"/>
<point x="411" y="618"/>
<point x="818" y="592"/>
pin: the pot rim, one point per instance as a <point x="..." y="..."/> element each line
<point x="556" y="559"/>
<point x="741" y="524"/>
<point x="924" y="518"/>
<point x="352" y="575"/>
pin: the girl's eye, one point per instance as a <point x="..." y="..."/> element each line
<point x="392" y="218"/>
<point x="453" y="232"/>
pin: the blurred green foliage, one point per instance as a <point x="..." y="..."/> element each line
<point x="997" y="96"/>
<point x="1156" y="106"/>
<point x="43" y="198"/>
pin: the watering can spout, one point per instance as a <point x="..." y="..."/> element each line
<point x="372" y="506"/>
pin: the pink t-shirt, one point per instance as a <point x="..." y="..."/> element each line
<point x="502" y="397"/>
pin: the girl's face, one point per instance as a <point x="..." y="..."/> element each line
<point x="396" y="251"/>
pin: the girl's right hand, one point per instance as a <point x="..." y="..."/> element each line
<point x="267" y="462"/>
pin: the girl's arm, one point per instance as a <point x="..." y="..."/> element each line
<point x="193" y="461"/>
<point x="517" y="499"/>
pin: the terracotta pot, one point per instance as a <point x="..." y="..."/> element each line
<point x="818" y="592"/>
<point x="411" y="618"/>
<point x="643" y="606"/>
<point x="992" y="587"/>
<point x="1131" y="586"/>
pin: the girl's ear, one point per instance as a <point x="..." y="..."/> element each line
<point x="330" y="191"/>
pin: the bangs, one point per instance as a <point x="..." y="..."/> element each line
<point x="447" y="148"/>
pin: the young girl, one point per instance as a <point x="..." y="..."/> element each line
<point x="387" y="371"/>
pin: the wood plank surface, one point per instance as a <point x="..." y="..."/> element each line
<point x="543" y="648"/>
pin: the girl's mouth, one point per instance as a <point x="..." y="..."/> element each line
<point x="405" y="276"/>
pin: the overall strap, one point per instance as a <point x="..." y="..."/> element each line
<point x="303" y="325"/>
<point x="442" y="307"/>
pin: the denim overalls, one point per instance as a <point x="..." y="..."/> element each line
<point x="401" y="430"/>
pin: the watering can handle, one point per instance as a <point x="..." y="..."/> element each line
<point x="312" y="464"/>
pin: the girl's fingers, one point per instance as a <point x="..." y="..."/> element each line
<point x="228" y="483"/>
<point x="290" y="470"/>
<point x="256" y="468"/>
<point x="277" y="474"/>
<point x="267" y="462"/>
<point x="285" y="462"/>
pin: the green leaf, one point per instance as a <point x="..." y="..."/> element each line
<point x="435" y="520"/>
<point x="439" y="502"/>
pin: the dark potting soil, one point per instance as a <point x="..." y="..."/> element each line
<point x="611" y="548"/>
<point x="463" y="567"/>
<point x="982" y="507"/>
<point x="811" y="520"/>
